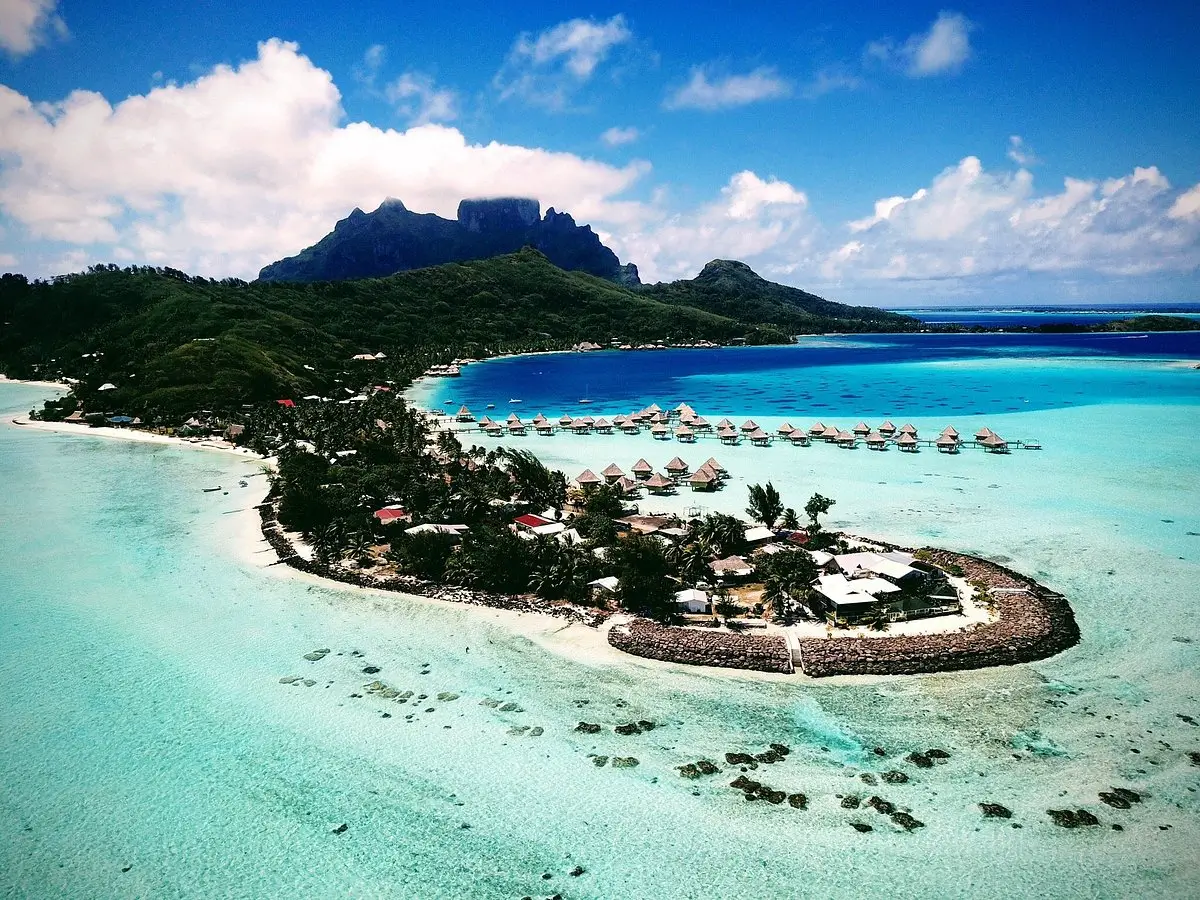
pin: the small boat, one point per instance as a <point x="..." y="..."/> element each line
<point x="211" y="490"/>
<point x="511" y="400"/>
<point x="491" y="406"/>
<point x="585" y="401"/>
<point x="447" y="402"/>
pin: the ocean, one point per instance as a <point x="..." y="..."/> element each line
<point x="1033" y="316"/>
<point x="150" y="750"/>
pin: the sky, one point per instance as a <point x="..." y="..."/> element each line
<point x="920" y="154"/>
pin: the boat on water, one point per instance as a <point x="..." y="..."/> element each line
<point x="514" y="401"/>
<point x="211" y="490"/>
<point x="585" y="401"/>
<point x="491" y="406"/>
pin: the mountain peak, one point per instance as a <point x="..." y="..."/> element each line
<point x="394" y="239"/>
<point x="725" y="268"/>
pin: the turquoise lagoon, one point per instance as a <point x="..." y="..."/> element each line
<point x="144" y="724"/>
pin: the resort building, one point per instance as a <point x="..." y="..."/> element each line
<point x="731" y="568"/>
<point x="642" y="469"/>
<point x="862" y="429"/>
<point x="887" y="429"/>
<point x="685" y="435"/>
<point x="876" y="441"/>
<point x="749" y="425"/>
<point x="587" y="479"/>
<point x="798" y="437"/>
<point x="907" y="442"/>
<point x="676" y="468"/>
<point x="702" y="480"/>
<point x="612" y="474"/>
<point x="464" y="415"/>
<point x="691" y="601"/>
<point x="659" y="484"/>
<point x="390" y="515"/>
<point x="760" y="438"/>
<point x="530" y="525"/>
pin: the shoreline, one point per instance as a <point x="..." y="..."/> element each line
<point x="54" y="385"/>
<point x="133" y="435"/>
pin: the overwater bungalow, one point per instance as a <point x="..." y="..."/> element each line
<point x="495" y="429"/>
<point x="760" y="438"/>
<point x="702" y="480"/>
<point x="620" y="419"/>
<point x="748" y="426"/>
<point x="513" y="419"/>
<point x="631" y="427"/>
<point x="785" y="429"/>
<point x="628" y="486"/>
<point x="946" y="443"/>
<point x="728" y="436"/>
<point x="907" y="443"/>
<point x="660" y="432"/>
<point x="587" y="420"/>
<point x="700" y="424"/>
<point x="908" y="428"/>
<point x="642" y="470"/>
<point x="484" y="423"/>
<point x="464" y="415"/>
<point x="604" y="426"/>
<point x="713" y="466"/>
<point x="724" y="423"/>
<point x="538" y="419"/>
<point x="545" y="428"/>
<point x="613" y="473"/>
<point x="676" y="468"/>
<point x="876" y="441"/>
<point x="516" y="428"/>
<point x="830" y="434"/>
<point x="847" y="440"/>
<point x="817" y="430"/>
<point x="654" y="409"/>
<point x="565" y="421"/>
<point x="862" y="429"/>
<point x="798" y="437"/>
<point x="659" y="484"/>
<point x="659" y="418"/>
<point x="587" y="479"/>
<point x="983" y="434"/>
<point x="993" y="443"/>
<point x="581" y="426"/>
<point x="887" y="429"/>
<point x="949" y="432"/>
<point x="685" y="435"/>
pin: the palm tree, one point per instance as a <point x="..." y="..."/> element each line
<point x="766" y="506"/>
<point x="724" y="534"/>
<point x="790" y="520"/>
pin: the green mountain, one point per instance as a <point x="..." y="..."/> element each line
<point x="731" y="288"/>
<point x="172" y="343"/>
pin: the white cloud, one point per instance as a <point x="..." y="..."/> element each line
<point x="944" y="47"/>
<point x="245" y="165"/>
<point x="615" y="136"/>
<point x="545" y="69"/>
<point x="1186" y="205"/>
<point x="703" y="92"/>
<point x="367" y="71"/>
<point x="418" y="97"/>
<point x="27" y="24"/>
<point x="827" y="81"/>
<point x="969" y="222"/>
<point x="1020" y="152"/>
<point x="757" y="221"/>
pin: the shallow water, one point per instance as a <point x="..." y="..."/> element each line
<point x="144" y="724"/>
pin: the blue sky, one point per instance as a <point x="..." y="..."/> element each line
<point x="974" y="153"/>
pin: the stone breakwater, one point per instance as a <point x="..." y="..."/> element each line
<point x="1032" y="623"/>
<point x="641" y="637"/>
<point x="273" y="533"/>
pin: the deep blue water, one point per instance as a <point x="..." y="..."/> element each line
<point x="909" y="376"/>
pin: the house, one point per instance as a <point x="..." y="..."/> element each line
<point x="862" y="429"/>
<point x="539" y="526"/>
<point x="895" y="567"/>
<point x="390" y="515"/>
<point x="676" y="468"/>
<point x="287" y="404"/>
<point x="731" y="567"/>
<point x="642" y="470"/>
<point x="603" y="588"/>
<point x="798" y="437"/>
<point x="758" y="535"/>
<point x="691" y="601"/>
<point x="841" y="600"/>
<point x="760" y="438"/>
<point x="703" y="480"/>
<point x="659" y="484"/>
<point x="603" y="426"/>
<point x="587" y="479"/>
<point x="749" y="425"/>
<point x="455" y="531"/>
<point x="613" y="474"/>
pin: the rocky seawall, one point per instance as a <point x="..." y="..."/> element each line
<point x="641" y="637"/>
<point x="1032" y="623"/>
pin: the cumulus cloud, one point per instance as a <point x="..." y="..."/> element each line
<point x="1020" y="152"/>
<point x="616" y="136"/>
<point x="754" y="220"/>
<point x="545" y="69"/>
<point x="244" y="165"/>
<point x="27" y="24"/>
<point x="971" y="222"/>
<point x="943" y="48"/>
<point x="703" y="91"/>
<point x="1187" y="205"/>
<point x="417" y="96"/>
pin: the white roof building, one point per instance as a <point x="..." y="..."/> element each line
<point x="759" y="533"/>
<point x="608" y="583"/>
<point x="892" y="565"/>
<point x="691" y="600"/>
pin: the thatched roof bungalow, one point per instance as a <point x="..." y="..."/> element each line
<point x="545" y="427"/>
<point x="587" y="479"/>
<point x="830" y="433"/>
<point x="630" y="426"/>
<point x="907" y="442"/>
<point x="604" y="426"/>
<point x="612" y="474"/>
<point x="785" y="429"/>
<point x="995" y="444"/>
<point x="702" y="480"/>
<point x="887" y="429"/>
<point x="565" y="421"/>
<point x="716" y="467"/>
<point x="760" y="438"/>
<point x="724" y="423"/>
<point x="642" y="469"/>
<point x="748" y="426"/>
<point x="983" y="434"/>
<point x="876" y="441"/>
<point x="847" y="440"/>
<point x="464" y="415"/>
<point x="728" y="436"/>
<point x="817" y="430"/>
<point x="659" y="484"/>
<point x="862" y="429"/>
<point x="660" y="432"/>
<point x="947" y="444"/>
<point x="908" y="428"/>
<point x="685" y="435"/>
<point x="798" y="437"/>
<point x="676" y="467"/>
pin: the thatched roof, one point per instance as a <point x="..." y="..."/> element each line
<point x="653" y="408"/>
<point x="749" y="425"/>
<point x="994" y="440"/>
<point x="565" y="420"/>
<point x="683" y="431"/>
<point x="906" y="439"/>
<point x="700" y="422"/>
<point x="512" y="417"/>
<point x="845" y="436"/>
<point x="676" y="465"/>
<point x="946" y="440"/>
<point x="758" y="435"/>
<point x="702" y="476"/>
<point x="642" y="466"/>
<point x="603" y="423"/>
<point x="613" y="471"/>
<point x="463" y="411"/>
<point x="831" y="431"/>
<point x="887" y="427"/>
<point x="786" y="428"/>
<point x="660" y="428"/>
<point x="587" y="420"/>
<point x="908" y="428"/>
<point x="714" y="465"/>
<point x="587" y="476"/>
<point x="874" y="437"/>
<point x="726" y="432"/>
<point x="658" y="481"/>
<point x="485" y="422"/>
<point x="949" y="431"/>
<point x="620" y="419"/>
<point x="862" y="428"/>
<point x="983" y="433"/>
<point x="724" y="423"/>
